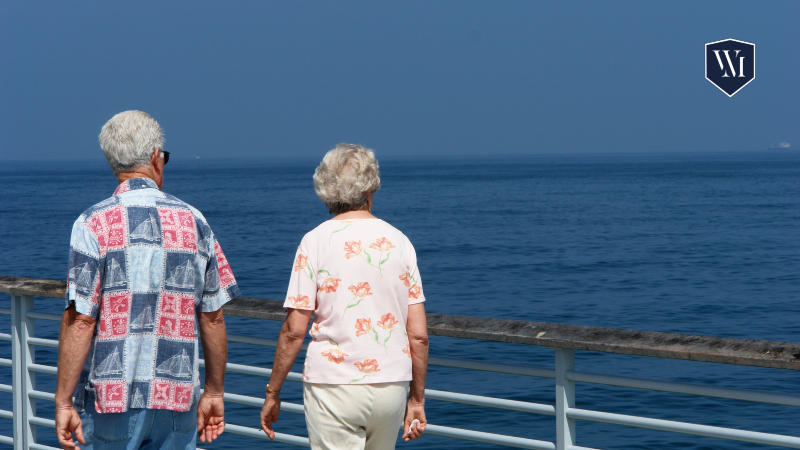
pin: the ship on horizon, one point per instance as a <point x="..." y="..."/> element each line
<point x="781" y="146"/>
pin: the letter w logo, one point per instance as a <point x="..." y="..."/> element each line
<point x="730" y="64"/>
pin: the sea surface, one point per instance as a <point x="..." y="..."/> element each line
<point x="698" y="243"/>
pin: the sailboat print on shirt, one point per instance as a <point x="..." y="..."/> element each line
<point x="138" y="400"/>
<point x="182" y="276"/>
<point x="144" y="319"/>
<point x="178" y="366"/>
<point x="212" y="279"/>
<point x="115" y="277"/>
<point x="110" y="366"/>
<point x="147" y="230"/>
<point x="83" y="276"/>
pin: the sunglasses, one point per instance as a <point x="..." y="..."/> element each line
<point x="166" y="156"/>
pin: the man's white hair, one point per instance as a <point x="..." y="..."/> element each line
<point x="129" y="139"/>
<point x="345" y="176"/>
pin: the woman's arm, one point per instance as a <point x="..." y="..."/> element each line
<point x="290" y="342"/>
<point x="417" y="329"/>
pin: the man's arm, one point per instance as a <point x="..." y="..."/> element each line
<point x="417" y="329"/>
<point x="210" y="408"/>
<point x="290" y="341"/>
<point x="75" y="341"/>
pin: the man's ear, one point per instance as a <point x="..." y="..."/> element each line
<point x="155" y="157"/>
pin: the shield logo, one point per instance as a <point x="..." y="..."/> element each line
<point x="730" y="64"/>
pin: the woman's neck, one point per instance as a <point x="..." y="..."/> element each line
<point x="349" y="215"/>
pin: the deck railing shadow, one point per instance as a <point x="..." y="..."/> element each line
<point x="563" y="339"/>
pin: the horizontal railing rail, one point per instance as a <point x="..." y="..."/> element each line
<point x="777" y="355"/>
<point x="564" y="339"/>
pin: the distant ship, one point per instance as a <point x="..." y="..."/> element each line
<point x="781" y="146"/>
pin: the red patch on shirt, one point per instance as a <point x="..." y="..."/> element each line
<point x="176" y="316"/>
<point x="178" y="228"/>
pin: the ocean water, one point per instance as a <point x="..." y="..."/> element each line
<point x="686" y="243"/>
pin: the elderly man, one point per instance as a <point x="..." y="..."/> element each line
<point x="146" y="275"/>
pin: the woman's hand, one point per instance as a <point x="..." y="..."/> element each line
<point x="414" y="410"/>
<point x="269" y="414"/>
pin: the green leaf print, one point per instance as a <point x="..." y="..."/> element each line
<point x="336" y="231"/>
<point x="385" y="259"/>
<point x="369" y="258"/>
<point x="332" y="342"/>
<point x="310" y="274"/>
<point x="388" y="337"/>
<point x="375" y="335"/>
<point x="352" y="305"/>
<point x="357" y="379"/>
<point x="320" y="272"/>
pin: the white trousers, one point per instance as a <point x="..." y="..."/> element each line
<point x="354" y="417"/>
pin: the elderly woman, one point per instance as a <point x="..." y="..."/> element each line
<point x="369" y="339"/>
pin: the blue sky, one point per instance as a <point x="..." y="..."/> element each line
<point x="282" y="79"/>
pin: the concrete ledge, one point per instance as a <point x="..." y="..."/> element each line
<point x="33" y="286"/>
<point x="777" y="355"/>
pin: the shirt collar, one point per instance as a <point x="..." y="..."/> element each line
<point x="135" y="183"/>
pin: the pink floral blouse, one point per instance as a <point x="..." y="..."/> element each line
<point x="358" y="276"/>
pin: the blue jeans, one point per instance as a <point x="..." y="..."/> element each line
<point x="145" y="429"/>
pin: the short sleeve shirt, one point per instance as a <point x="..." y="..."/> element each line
<point x="143" y="263"/>
<point x="359" y="277"/>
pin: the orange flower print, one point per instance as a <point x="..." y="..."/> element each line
<point x="330" y="285"/>
<point x="368" y="366"/>
<point x="314" y="331"/>
<point x="352" y="248"/>
<point x="405" y="279"/>
<point x="414" y="292"/>
<point x="363" y="326"/>
<point x="301" y="263"/>
<point x="300" y="302"/>
<point x="407" y="351"/>
<point x="387" y="321"/>
<point x="361" y="289"/>
<point x="335" y="355"/>
<point x="382" y="244"/>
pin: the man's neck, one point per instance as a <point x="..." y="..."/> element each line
<point x="136" y="173"/>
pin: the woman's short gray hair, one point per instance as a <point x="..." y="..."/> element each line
<point x="128" y="140"/>
<point x="344" y="178"/>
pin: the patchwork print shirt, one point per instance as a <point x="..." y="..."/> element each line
<point x="143" y="263"/>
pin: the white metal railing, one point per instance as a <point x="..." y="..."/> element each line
<point x="25" y="395"/>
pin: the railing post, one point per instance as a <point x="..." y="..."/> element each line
<point x="24" y="381"/>
<point x="565" y="399"/>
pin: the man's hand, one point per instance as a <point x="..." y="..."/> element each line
<point x="67" y="421"/>
<point x="414" y="410"/>
<point x="210" y="417"/>
<point x="269" y="414"/>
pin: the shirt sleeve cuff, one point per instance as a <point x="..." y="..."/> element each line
<point x="83" y="307"/>
<point x="211" y="304"/>
<point x="416" y="300"/>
